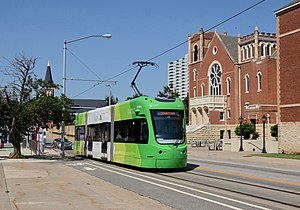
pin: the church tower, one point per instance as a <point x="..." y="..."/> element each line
<point x="48" y="86"/>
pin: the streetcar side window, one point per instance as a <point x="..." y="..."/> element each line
<point x="99" y="132"/>
<point x="79" y="133"/>
<point x="131" y="131"/>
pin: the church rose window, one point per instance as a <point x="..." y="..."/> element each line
<point x="215" y="79"/>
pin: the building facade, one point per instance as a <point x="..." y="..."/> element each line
<point x="232" y="78"/>
<point x="178" y="79"/>
<point x="288" y="71"/>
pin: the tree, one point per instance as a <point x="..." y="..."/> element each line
<point x="168" y="92"/>
<point x="274" y="131"/>
<point x="49" y="108"/>
<point x="113" y="100"/>
<point x="24" y="103"/>
<point x="247" y="130"/>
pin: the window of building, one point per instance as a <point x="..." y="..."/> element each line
<point x="229" y="134"/>
<point x="202" y="89"/>
<point x="259" y="81"/>
<point x="195" y="53"/>
<point x="228" y="86"/>
<point x="222" y="134"/>
<point x="195" y="92"/>
<point x="222" y="116"/>
<point x="247" y="52"/>
<point x="194" y="74"/>
<point x="215" y="50"/>
<point x="247" y="81"/>
<point x="215" y="79"/>
<point x="228" y="114"/>
<point x="244" y="53"/>
<point x="262" y="48"/>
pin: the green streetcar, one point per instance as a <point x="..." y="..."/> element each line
<point x="142" y="132"/>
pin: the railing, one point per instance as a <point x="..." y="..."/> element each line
<point x="212" y="102"/>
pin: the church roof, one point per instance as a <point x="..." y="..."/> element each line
<point x="290" y="5"/>
<point x="83" y="105"/>
<point x="48" y="77"/>
<point x="231" y="45"/>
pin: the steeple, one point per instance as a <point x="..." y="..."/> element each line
<point x="48" y="82"/>
<point x="48" y="77"/>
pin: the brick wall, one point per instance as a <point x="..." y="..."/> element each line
<point x="289" y="69"/>
<point x="289" y="21"/>
<point x="288" y="27"/>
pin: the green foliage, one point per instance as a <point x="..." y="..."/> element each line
<point x="168" y="92"/>
<point x="4" y="111"/>
<point x="113" y="100"/>
<point x="247" y="130"/>
<point x="49" y="108"/>
<point x="255" y="135"/>
<point x="24" y="104"/>
<point x="274" y="131"/>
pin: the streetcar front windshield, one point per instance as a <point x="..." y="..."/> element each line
<point x="168" y="126"/>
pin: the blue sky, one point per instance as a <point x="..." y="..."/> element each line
<point x="140" y="30"/>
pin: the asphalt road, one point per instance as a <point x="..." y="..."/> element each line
<point x="205" y="185"/>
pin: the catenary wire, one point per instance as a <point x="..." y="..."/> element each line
<point x="86" y="66"/>
<point x="178" y="45"/>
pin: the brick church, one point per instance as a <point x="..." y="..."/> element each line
<point x="234" y="80"/>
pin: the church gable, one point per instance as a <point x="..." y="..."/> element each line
<point x="219" y="52"/>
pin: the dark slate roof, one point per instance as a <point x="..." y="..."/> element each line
<point x="292" y="3"/>
<point x="83" y="105"/>
<point x="231" y="45"/>
<point x="48" y="77"/>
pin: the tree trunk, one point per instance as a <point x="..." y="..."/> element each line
<point x="14" y="138"/>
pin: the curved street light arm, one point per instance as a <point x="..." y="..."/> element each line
<point x="108" y="36"/>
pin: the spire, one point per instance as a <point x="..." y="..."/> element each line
<point x="48" y="77"/>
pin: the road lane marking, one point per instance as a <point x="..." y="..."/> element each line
<point x="250" y="176"/>
<point x="89" y="169"/>
<point x="30" y="203"/>
<point x="179" y="191"/>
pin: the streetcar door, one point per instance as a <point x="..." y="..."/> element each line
<point x="105" y="138"/>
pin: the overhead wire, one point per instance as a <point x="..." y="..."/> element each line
<point x="86" y="66"/>
<point x="178" y="45"/>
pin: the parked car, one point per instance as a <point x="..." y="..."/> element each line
<point x="57" y="143"/>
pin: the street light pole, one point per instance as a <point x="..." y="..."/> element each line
<point x="264" y="140"/>
<point x="241" y="133"/>
<point x="109" y="94"/>
<point x="108" y="36"/>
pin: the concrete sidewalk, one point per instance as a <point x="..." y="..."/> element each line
<point x="42" y="184"/>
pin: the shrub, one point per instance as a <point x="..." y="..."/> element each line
<point x="255" y="135"/>
<point x="274" y="131"/>
<point x="247" y="130"/>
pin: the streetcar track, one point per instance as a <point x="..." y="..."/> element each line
<point x="238" y="192"/>
<point x="248" y="166"/>
<point x="177" y="185"/>
<point x="245" y="183"/>
<point x="213" y="186"/>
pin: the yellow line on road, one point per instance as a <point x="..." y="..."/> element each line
<point x="251" y="176"/>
